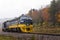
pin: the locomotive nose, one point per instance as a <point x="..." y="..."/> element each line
<point x="28" y="29"/>
<point x="27" y="24"/>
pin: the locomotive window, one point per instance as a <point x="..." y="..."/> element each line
<point x="25" y="21"/>
<point x="25" y="17"/>
<point x="28" y="21"/>
<point x="13" y="22"/>
<point x="22" y="22"/>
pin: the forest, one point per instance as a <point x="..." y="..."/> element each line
<point x="47" y="19"/>
<point x="50" y="14"/>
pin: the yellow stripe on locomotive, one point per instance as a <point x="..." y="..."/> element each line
<point x="22" y="27"/>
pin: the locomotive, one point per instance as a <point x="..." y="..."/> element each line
<point x="21" y="24"/>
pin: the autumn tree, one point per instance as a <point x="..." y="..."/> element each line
<point x="34" y="14"/>
<point x="40" y="17"/>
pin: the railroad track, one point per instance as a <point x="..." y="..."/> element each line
<point x="29" y="33"/>
<point x="28" y="36"/>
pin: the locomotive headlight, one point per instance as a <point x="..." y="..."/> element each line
<point x="27" y="24"/>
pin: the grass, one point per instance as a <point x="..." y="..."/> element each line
<point x="3" y="37"/>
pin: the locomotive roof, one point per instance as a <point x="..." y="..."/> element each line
<point x="17" y="18"/>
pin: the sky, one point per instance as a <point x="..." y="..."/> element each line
<point x="14" y="8"/>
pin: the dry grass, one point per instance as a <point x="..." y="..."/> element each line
<point x="4" y="37"/>
<point x="46" y="29"/>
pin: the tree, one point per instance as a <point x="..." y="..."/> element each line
<point x="58" y="12"/>
<point x="58" y="5"/>
<point x="34" y="14"/>
<point x="40" y="17"/>
<point x="52" y="11"/>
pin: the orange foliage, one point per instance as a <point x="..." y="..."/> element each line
<point x="58" y="16"/>
<point x="45" y="14"/>
<point x="34" y="14"/>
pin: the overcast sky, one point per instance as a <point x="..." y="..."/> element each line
<point x="14" y="8"/>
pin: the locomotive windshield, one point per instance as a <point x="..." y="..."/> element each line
<point x="26" y="21"/>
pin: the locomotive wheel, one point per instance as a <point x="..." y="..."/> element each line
<point x="12" y="30"/>
<point x="7" y="30"/>
<point x="3" y="30"/>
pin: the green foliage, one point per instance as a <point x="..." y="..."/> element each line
<point x="53" y="11"/>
